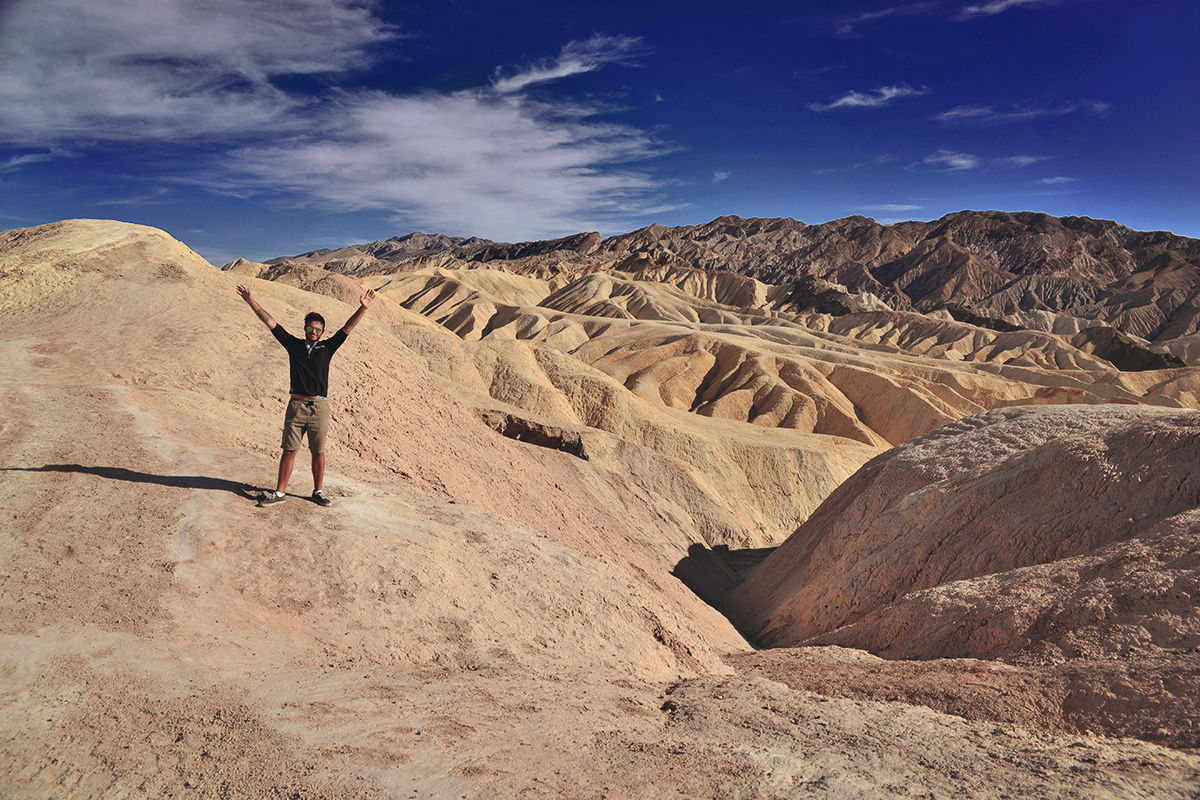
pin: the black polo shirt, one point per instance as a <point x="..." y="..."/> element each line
<point x="309" y="366"/>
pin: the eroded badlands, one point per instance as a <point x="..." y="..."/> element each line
<point x="985" y="584"/>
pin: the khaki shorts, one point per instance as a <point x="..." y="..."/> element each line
<point x="306" y="416"/>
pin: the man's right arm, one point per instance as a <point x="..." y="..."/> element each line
<point x="259" y="311"/>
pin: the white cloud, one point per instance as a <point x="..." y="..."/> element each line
<point x="159" y="195"/>
<point x="168" y="69"/>
<point x="474" y="162"/>
<point x="892" y="207"/>
<point x="874" y="162"/>
<point x="575" y="58"/>
<point x="1023" y="112"/>
<point x="873" y="99"/>
<point x="1059" y="181"/>
<point x="1016" y="162"/>
<point x="951" y="161"/>
<point x="846" y="26"/>
<point x="999" y="7"/>
<point x="720" y="176"/>
<point x="966" y="114"/>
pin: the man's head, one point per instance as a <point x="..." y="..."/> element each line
<point x="314" y="326"/>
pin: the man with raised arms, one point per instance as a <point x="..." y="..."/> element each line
<point x="308" y="409"/>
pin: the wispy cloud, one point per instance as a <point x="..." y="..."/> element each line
<point x="17" y="162"/>
<point x="491" y="164"/>
<point x="889" y="207"/>
<point x="575" y="58"/>
<point x="947" y="161"/>
<point x="999" y="7"/>
<point x="1022" y="112"/>
<point x="720" y="176"/>
<point x="847" y="26"/>
<point x="952" y="161"/>
<point x="169" y="69"/>
<point x="873" y="99"/>
<point x="1016" y="162"/>
<point x="157" y="196"/>
<point x="874" y="162"/>
<point x="1059" y="181"/>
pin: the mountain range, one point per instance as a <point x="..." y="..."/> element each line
<point x="1024" y="269"/>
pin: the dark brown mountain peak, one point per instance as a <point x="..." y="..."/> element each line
<point x="580" y="243"/>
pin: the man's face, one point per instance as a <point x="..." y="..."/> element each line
<point x="313" y="331"/>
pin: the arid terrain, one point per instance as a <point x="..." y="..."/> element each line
<point x="750" y="509"/>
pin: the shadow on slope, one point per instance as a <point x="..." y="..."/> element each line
<point x="203" y="482"/>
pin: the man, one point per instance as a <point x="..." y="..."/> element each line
<point x="308" y="409"/>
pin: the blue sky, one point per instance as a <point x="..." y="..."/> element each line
<point x="257" y="129"/>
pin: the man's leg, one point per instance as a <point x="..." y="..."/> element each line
<point x="286" y="462"/>
<point x="318" y="467"/>
<point x="293" y="435"/>
<point x="316" y="443"/>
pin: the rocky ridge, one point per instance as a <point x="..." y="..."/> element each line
<point x="998" y="264"/>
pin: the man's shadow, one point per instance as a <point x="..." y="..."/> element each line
<point x="122" y="474"/>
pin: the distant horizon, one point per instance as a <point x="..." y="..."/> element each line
<point x="401" y="236"/>
<point x="260" y="258"/>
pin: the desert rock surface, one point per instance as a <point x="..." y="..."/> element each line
<point x="481" y="616"/>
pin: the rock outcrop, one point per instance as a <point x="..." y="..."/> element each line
<point x="983" y="496"/>
<point x="1037" y="536"/>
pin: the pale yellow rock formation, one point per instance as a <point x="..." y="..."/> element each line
<point x="742" y="487"/>
<point x="956" y="341"/>
<point x="773" y="372"/>
<point x="1185" y="347"/>
<point x="1069" y="494"/>
<point x="1022" y="359"/>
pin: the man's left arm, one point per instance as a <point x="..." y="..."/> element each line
<point x="364" y="303"/>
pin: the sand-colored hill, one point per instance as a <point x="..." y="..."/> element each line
<point x="740" y="485"/>
<point x="196" y="355"/>
<point x="989" y="494"/>
<point x="1033" y="535"/>
<point x="475" y="616"/>
<point x="760" y="367"/>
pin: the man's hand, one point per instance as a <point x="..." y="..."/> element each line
<point x="364" y="303"/>
<point x="259" y="311"/>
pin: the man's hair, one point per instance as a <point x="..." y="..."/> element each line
<point x="313" y="316"/>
